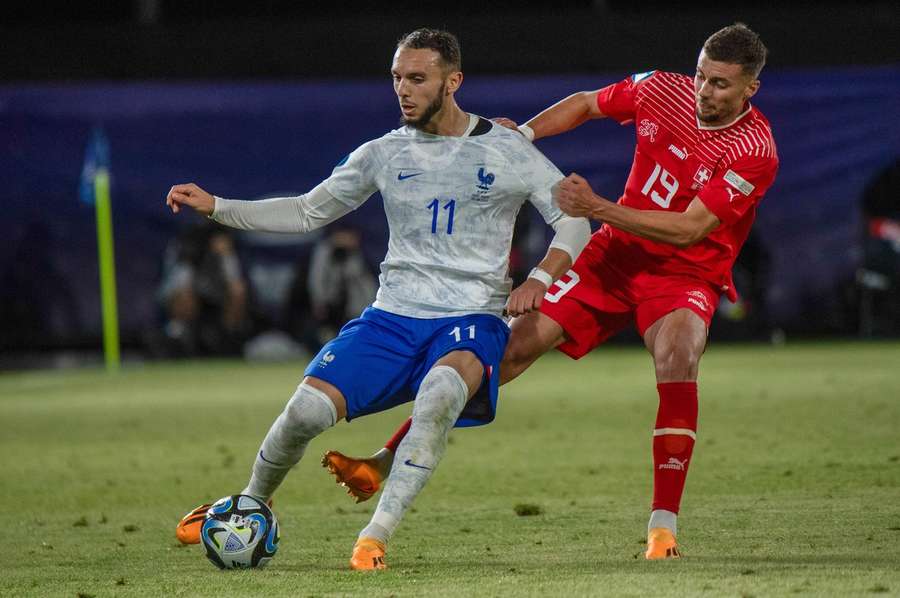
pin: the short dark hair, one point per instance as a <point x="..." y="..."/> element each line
<point x="737" y="44"/>
<point x="442" y="42"/>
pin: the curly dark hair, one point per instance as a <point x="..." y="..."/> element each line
<point x="442" y="42"/>
<point x="737" y="44"/>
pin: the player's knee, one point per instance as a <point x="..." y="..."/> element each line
<point x="675" y="362"/>
<point x="441" y="397"/>
<point x="520" y="352"/>
<point x="309" y="412"/>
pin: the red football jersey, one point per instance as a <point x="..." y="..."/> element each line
<point x="676" y="159"/>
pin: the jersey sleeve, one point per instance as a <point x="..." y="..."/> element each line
<point x="540" y="175"/>
<point x="619" y="100"/>
<point x="733" y="191"/>
<point x="352" y="181"/>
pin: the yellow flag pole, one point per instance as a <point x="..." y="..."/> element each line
<point x="107" y="266"/>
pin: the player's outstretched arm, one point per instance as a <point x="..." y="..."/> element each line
<point x="298" y="214"/>
<point x="562" y="116"/>
<point x="565" y="115"/>
<point x="191" y="196"/>
<point x="683" y="229"/>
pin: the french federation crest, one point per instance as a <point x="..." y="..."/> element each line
<point x="485" y="179"/>
<point x="482" y="188"/>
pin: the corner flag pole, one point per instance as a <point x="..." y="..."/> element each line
<point x="107" y="267"/>
<point x="94" y="188"/>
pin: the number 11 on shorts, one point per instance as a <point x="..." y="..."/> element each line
<point x="457" y="332"/>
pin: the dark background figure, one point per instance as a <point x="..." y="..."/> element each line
<point x="748" y="317"/>
<point x="298" y="311"/>
<point x="879" y="274"/>
<point x="340" y="283"/>
<point x="204" y="295"/>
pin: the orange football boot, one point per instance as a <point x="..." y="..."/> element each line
<point x="188" y="529"/>
<point x="661" y="544"/>
<point x="368" y="555"/>
<point x="361" y="477"/>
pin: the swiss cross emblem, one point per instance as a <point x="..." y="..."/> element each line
<point x="648" y="128"/>
<point x="702" y="175"/>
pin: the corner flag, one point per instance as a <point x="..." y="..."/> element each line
<point x="94" y="189"/>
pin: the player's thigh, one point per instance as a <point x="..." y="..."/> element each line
<point x="474" y="344"/>
<point x="675" y="313"/>
<point x="532" y="335"/>
<point x="369" y="364"/>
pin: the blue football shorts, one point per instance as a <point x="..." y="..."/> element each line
<point x="379" y="360"/>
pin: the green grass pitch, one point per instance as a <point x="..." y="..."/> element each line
<point x="794" y="486"/>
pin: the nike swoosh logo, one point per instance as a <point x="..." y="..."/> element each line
<point x="411" y="464"/>
<point x="403" y="177"/>
<point x="263" y="457"/>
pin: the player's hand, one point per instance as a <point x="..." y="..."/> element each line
<point x="527" y="297"/>
<point x="506" y="122"/>
<point x="192" y="196"/>
<point x="575" y="196"/>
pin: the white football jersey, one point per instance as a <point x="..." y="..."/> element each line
<point x="451" y="205"/>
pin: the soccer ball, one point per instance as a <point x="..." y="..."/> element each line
<point x="240" y="532"/>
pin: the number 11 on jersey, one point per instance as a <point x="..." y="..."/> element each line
<point x="449" y="207"/>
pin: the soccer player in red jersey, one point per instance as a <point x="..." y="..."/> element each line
<point x="704" y="158"/>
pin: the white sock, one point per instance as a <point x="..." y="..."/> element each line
<point x="440" y="400"/>
<point x="663" y="518"/>
<point x="309" y="413"/>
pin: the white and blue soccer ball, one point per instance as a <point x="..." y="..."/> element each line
<point x="240" y="532"/>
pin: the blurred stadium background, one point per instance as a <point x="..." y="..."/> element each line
<point x="263" y="98"/>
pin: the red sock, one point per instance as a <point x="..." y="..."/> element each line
<point x="673" y="442"/>
<point x="394" y="442"/>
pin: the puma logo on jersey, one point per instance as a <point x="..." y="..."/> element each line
<point x="731" y="194"/>
<point x="679" y="153"/>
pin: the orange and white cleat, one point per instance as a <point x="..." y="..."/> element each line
<point x="361" y="477"/>
<point x="661" y="544"/>
<point x="368" y="555"/>
<point x="188" y="529"/>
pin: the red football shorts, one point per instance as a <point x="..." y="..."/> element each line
<point x="604" y="293"/>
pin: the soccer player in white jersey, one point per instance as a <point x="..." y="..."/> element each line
<point x="452" y="184"/>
